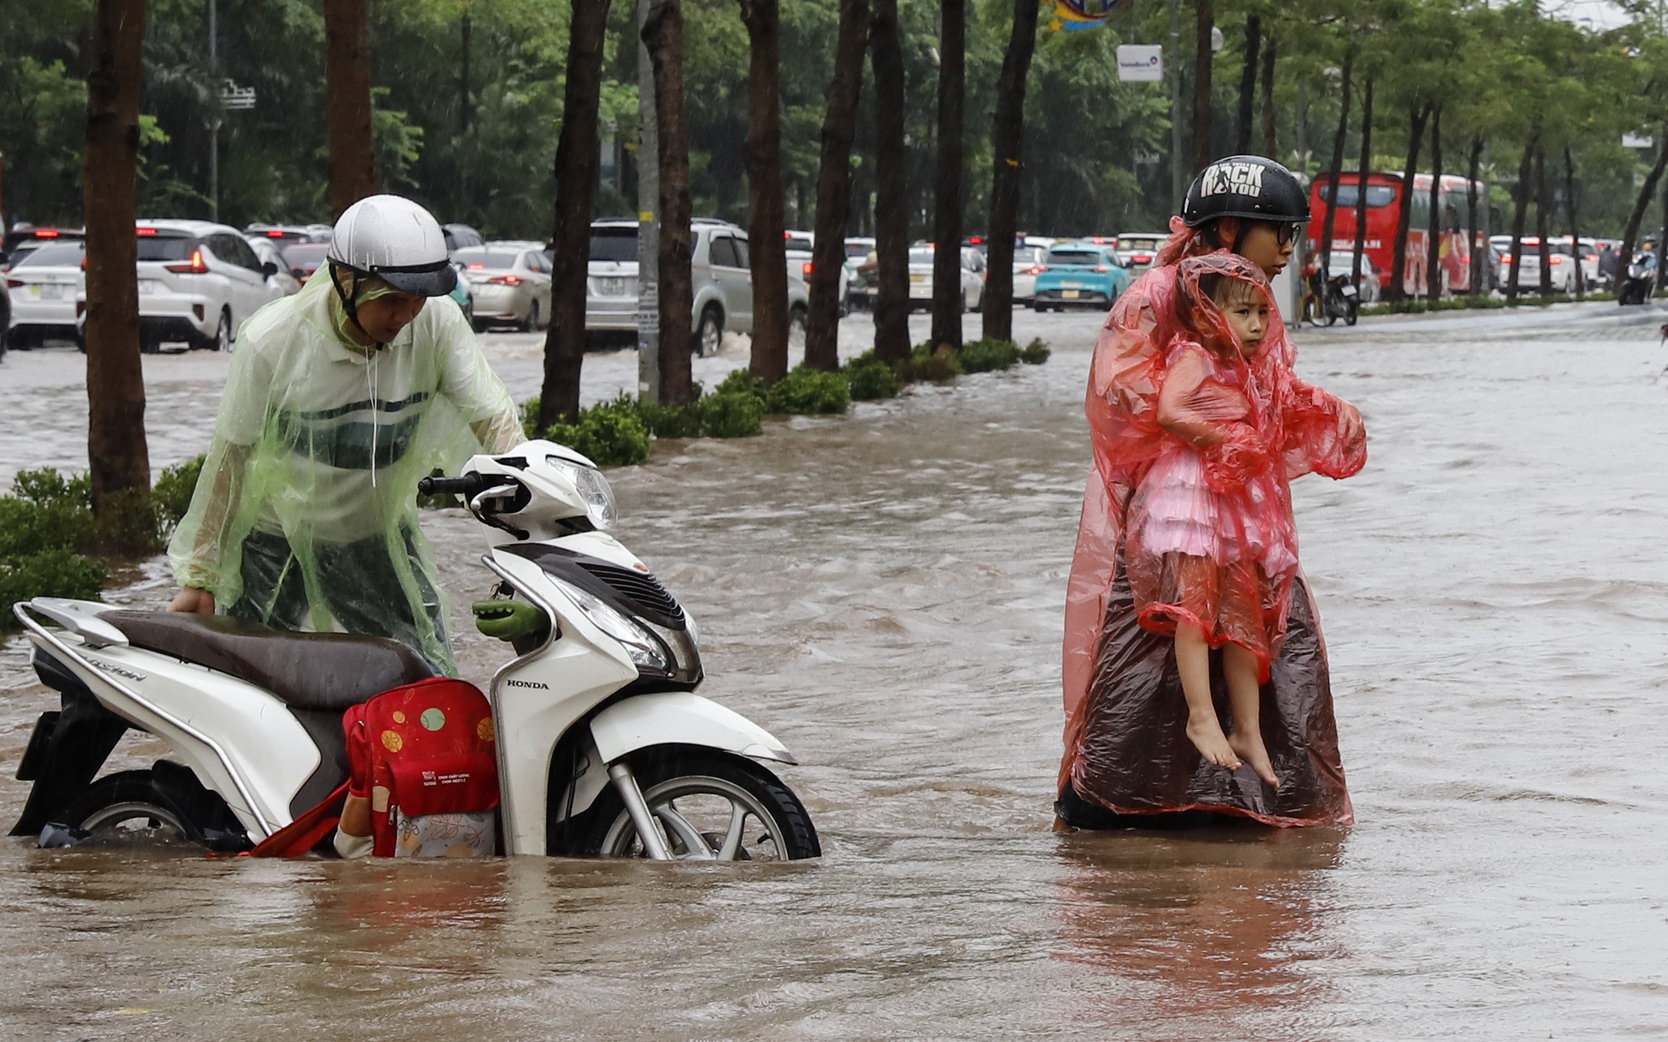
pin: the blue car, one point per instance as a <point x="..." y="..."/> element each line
<point x="1080" y="274"/>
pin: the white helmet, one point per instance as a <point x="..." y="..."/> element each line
<point x="394" y="239"/>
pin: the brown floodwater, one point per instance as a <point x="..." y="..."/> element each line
<point x="883" y="591"/>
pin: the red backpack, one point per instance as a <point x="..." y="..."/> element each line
<point x="426" y="754"/>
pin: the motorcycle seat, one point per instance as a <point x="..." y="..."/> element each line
<point x="321" y="671"/>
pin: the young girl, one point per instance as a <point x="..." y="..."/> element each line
<point x="1212" y="550"/>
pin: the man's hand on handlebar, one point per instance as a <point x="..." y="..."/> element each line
<point x="193" y="601"/>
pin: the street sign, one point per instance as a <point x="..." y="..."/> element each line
<point x="1638" y="141"/>
<point x="234" y="97"/>
<point x="1141" y="62"/>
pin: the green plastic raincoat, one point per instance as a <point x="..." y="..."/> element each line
<point x="305" y="516"/>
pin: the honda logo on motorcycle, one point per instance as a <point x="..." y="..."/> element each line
<point x="1235" y="178"/>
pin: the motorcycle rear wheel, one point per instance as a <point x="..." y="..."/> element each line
<point x="130" y="807"/>
<point x="710" y="806"/>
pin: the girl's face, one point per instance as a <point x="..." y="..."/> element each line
<point x="1248" y="315"/>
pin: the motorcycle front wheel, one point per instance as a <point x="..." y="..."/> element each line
<point x="710" y="807"/>
<point x="131" y="807"/>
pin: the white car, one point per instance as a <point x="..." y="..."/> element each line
<point x="198" y="282"/>
<point x="1529" y="270"/>
<point x="1029" y="258"/>
<point x="43" y="286"/>
<point x="266" y="249"/>
<point x="920" y="277"/>
<point x="509" y="283"/>
<point x="719" y="270"/>
<point x="1137" y="249"/>
<point x="800" y="248"/>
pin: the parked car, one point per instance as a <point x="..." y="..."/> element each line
<point x="920" y="276"/>
<point x="42" y="288"/>
<point x="266" y="250"/>
<point x="198" y="283"/>
<point x="800" y="247"/>
<point x="1590" y="251"/>
<point x="287" y="234"/>
<point x="1137" y="249"/>
<point x="25" y="237"/>
<point x="460" y="237"/>
<point x="304" y="258"/>
<point x="1028" y="264"/>
<point x="723" y="283"/>
<point x="860" y="253"/>
<point x="510" y="282"/>
<point x="1076" y="274"/>
<point x="1371" y="286"/>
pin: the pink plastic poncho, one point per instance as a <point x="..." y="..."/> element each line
<point x="1256" y="426"/>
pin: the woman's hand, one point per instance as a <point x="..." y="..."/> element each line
<point x="193" y="601"/>
<point x="1350" y="428"/>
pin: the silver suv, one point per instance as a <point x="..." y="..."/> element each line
<point x="719" y="269"/>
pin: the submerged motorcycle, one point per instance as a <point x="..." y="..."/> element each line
<point x="603" y="746"/>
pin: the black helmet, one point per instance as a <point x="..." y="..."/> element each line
<point x="1245" y="186"/>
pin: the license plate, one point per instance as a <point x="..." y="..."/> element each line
<point x="613" y="287"/>
<point x="50" y="292"/>
<point x="1069" y="294"/>
<point x="917" y="278"/>
<point x="1350" y="291"/>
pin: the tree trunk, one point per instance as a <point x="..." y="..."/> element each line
<point x="663" y="35"/>
<point x="765" y="220"/>
<point x="576" y="185"/>
<point x="348" y="81"/>
<point x="116" y="452"/>
<point x="1519" y="213"/>
<point x="1202" y="56"/>
<point x="1578" y="274"/>
<point x="1248" y="84"/>
<point x="1474" y="218"/>
<point x="1007" y="136"/>
<point x="1271" y="147"/>
<point x="1433" y="244"/>
<point x="1543" y="222"/>
<point x="1366" y="170"/>
<point x="891" y="186"/>
<point x="1404" y="210"/>
<point x="1630" y="234"/>
<point x="948" y="300"/>
<point x="1662" y="243"/>
<point x="839" y="126"/>
<point x="1332" y="173"/>
<point x="464" y="31"/>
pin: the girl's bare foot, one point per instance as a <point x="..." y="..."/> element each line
<point x="1206" y="736"/>
<point x="1250" y="746"/>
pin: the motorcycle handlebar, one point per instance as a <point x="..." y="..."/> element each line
<point x="468" y="486"/>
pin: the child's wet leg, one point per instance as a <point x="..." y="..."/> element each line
<point x="1203" y="729"/>
<point x="1245" y="699"/>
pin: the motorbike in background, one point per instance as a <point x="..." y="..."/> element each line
<point x="1638" y="283"/>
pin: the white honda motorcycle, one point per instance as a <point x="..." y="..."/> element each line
<point x="603" y="746"/>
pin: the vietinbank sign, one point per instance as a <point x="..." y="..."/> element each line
<point x="1141" y="62"/>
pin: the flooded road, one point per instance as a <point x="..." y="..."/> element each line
<point x="883" y="591"/>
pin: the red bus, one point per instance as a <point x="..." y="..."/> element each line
<point x="1384" y="194"/>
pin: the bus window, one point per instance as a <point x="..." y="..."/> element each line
<point x="1377" y="196"/>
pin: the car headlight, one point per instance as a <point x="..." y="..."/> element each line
<point x="644" y="648"/>
<point x="593" y="488"/>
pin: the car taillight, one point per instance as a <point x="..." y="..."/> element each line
<point x="807" y="269"/>
<point x="13" y="283"/>
<point x="144" y="231"/>
<point x="1593" y="257"/>
<point x="195" y="266"/>
<point x="274" y="233"/>
<point x="1142" y="258"/>
<point x="1557" y="258"/>
<point x="1035" y="269"/>
<point x="504" y="280"/>
<point x="1505" y="259"/>
<point x="46" y="233"/>
<point x="1102" y="267"/>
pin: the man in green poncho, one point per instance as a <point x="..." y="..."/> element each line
<point x="340" y="398"/>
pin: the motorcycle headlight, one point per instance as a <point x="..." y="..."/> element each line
<point x="645" y="649"/>
<point x="593" y="489"/>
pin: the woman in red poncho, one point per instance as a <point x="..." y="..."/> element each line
<point x="1137" y="596"/>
